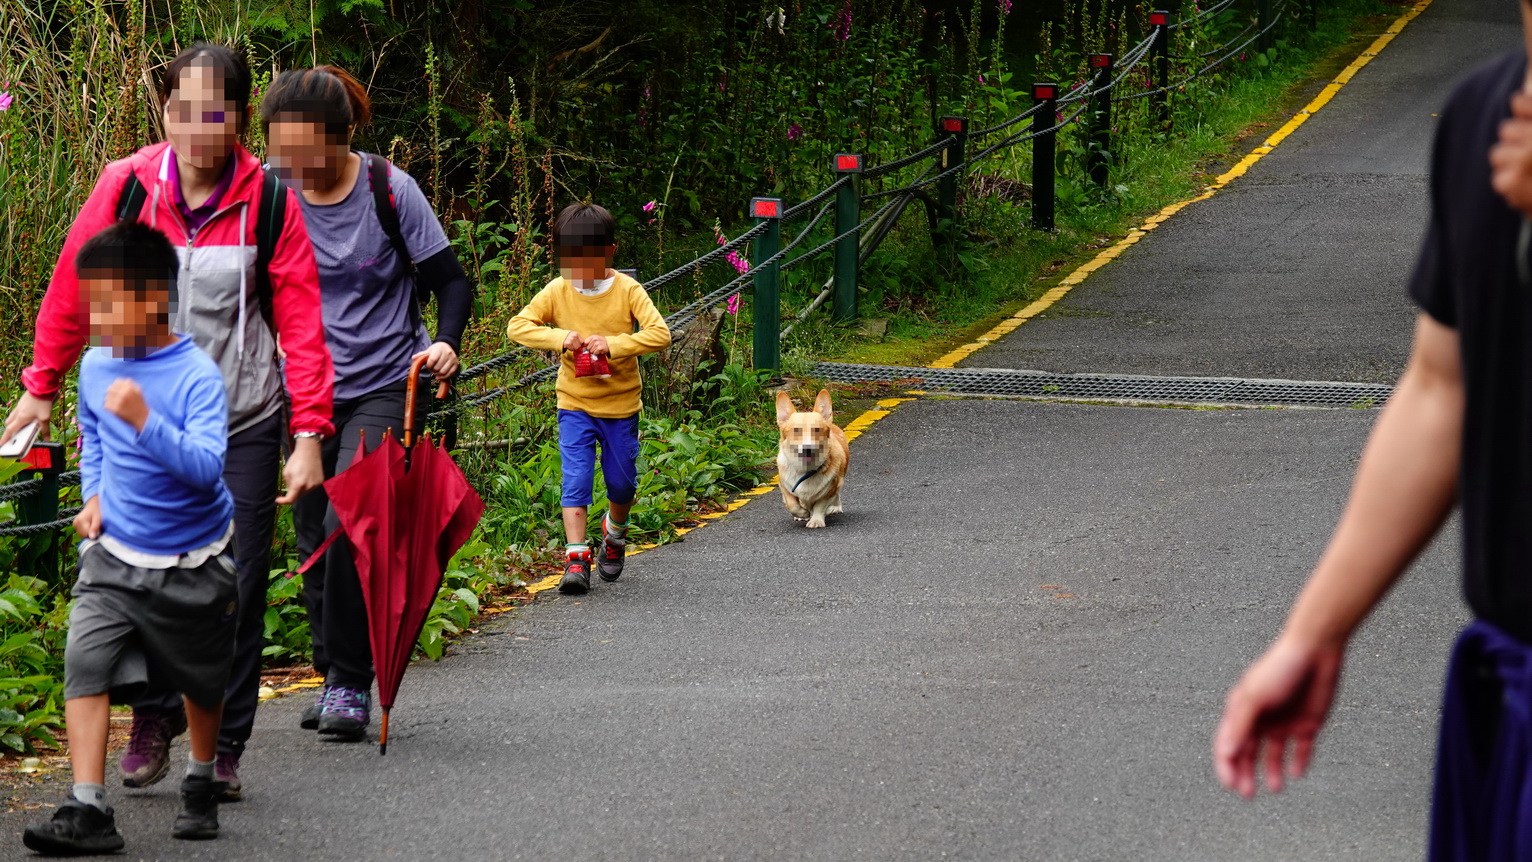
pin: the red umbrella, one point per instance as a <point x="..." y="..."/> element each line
<point x="405" y="510"/>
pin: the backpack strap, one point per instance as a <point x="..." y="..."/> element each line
<point x="270" y="219"/>
<point x="130" y="201"/>
<point x="383" y="205"/>
<point x="388" y="219"/>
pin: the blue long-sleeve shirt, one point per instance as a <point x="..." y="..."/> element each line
<point x="161" y="490"/>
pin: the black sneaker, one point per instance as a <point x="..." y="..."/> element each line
<point x="76" y="829"/>
<point x="609" y="564"/>
<point x="198" y="820"/>
<point x="310" y="718"/>
<point x="576" y="580"/>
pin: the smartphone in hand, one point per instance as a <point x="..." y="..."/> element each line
<point x="18" y="445"/>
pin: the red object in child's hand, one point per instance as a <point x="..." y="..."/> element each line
<point x="589" y="365"/>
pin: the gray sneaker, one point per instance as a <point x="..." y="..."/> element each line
<point x="609" y="560"/>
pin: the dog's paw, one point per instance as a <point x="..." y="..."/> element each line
<point x="816" y="522"/>
<point x="836" y="509"/>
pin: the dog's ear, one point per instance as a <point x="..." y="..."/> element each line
<point x="785" y="408"/>
<point x="822" y="405"/>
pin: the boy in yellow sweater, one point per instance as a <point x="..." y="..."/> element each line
<point x="593" y="309"/>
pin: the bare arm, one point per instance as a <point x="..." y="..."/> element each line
<point x="1404" y="488"/>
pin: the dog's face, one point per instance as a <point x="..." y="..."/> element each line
<point x="805" y="436"/>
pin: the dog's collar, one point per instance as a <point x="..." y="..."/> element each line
<point x="805" y="477"/>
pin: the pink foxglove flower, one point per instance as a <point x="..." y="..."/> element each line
<point x="649" y="207"/>
<point x="5" y="100"/>
<point x="732" y="304"/>
<point x="842" y="23"/>
<point x="794" y="132"/>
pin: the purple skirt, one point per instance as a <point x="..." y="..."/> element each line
<point x="1481" y="806"/>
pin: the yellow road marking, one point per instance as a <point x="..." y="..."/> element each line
<point x="1042" y="304"/>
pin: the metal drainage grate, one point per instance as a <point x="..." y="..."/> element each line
<point x="1111" y="387"/>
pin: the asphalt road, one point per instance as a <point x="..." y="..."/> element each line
<point x="1014" y="644"/>
<point x="1298" y="269"/>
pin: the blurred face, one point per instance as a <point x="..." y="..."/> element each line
<point x="201" y="123"/>
<point x="585" y="262"/>
<point x="128" y="322"/>
<point x="302" y="152"/>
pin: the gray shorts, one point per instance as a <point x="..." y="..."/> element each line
<point x="131" y="625"/>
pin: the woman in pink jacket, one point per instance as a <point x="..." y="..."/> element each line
<point x="204" y="191"/>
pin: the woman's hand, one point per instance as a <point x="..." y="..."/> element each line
<point x="304" y="470"/>
<point x="441" y="359"/>
<point x="29" y="408"/>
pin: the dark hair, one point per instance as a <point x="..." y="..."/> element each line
<point x="323" y="94"/>
<point x="583" y="226"/>
<point x="133" y="252"/>
<point x="235" y="74"/>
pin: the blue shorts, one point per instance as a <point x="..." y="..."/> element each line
<point x="579" y="434"/>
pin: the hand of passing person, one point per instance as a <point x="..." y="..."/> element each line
<point x="1511" y="158"/>
<point x="1281" y="701"/>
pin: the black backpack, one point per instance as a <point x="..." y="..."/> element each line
<point x="270" y="217"/>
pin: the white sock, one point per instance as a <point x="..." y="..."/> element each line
<point x="617" y="533"/>
<point x="91" y="794"/>
<point x="197" y="769"/>
<point x="576" y="548"/>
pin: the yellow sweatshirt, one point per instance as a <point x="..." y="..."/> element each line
<point x="559" y="309"/>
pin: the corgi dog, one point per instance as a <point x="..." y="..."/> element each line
<point x="812" y="457"/>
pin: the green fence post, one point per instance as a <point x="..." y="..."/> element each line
<point x="848" y="214"/>
<point x="768" y="301"/>
<point x="955" y="154"/>
<point x="1311" y="12"/>
<point x="1099" y="157"/>
<point x="1262" y="22"/>
<point x="1159" y="19"/>
<point x="1044" y="134"/>
<point x="41" y="507"/>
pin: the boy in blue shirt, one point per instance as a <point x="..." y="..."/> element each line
<point x="156" y="594"/>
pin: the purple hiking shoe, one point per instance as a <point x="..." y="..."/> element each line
<point x="346" y="714"/>
<point x="148" y="756"/>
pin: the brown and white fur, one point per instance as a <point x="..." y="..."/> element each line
<point x="811" y="443"/>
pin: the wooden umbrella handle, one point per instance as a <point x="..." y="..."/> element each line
<point x="409" y="399"/>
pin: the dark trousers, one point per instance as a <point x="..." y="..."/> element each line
<point x="332" y="589"/>
<point x="1481" y="807"/>
<point x="250" y="473"/>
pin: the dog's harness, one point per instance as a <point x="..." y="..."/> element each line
<point x="805" y="477"/>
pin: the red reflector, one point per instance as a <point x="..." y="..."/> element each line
<point x="952" y="124"/>
<point x="1157" y="19"/>
<point x="1043" y="91"/>
<point x="848" y="162"/>
<point x="764" y="208"/>
<point x="1100" y="61"/>
<point x="40" y="457"/>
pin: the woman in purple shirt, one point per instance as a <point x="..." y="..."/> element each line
<point x="367" y="286"/>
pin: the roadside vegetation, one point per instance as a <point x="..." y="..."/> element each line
<point x="671" y="116"/>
